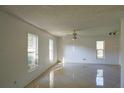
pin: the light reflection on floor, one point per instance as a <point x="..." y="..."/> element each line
<point x="51" y="79"/>
<point x="79" y="76"/>
<point x="99" y="78"/>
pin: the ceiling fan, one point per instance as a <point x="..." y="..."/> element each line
<point x="74" y="35"/>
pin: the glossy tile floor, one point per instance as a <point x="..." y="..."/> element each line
<point x="79" y="76"/>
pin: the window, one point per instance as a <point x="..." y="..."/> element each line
<point x="32" y="52"/>
<point x="50" y="50"/>
<point x="100" y="49"/>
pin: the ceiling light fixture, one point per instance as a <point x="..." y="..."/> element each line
<point x="113" y="33"/>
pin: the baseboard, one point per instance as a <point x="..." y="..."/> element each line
<point x="93" y="63"/>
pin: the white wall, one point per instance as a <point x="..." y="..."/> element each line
<point x="122" y="53"/>
<point x="13" y="51"/>
<point x="85" y="48"/>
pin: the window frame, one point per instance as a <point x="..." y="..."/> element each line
<point x="34" y="52"/>
<point x="51" y="50"/>
<point x="100" y="49"/>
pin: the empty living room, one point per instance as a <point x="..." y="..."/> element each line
<point x="61" y="46"/>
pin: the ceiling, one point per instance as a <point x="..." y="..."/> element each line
<point x="62" y="20"/>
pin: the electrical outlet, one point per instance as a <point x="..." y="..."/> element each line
<point x="15" y="82"/>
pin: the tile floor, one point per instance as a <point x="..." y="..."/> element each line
<point x="79" y="76"/>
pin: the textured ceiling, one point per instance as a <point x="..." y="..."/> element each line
<point x="62" y="20"/>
